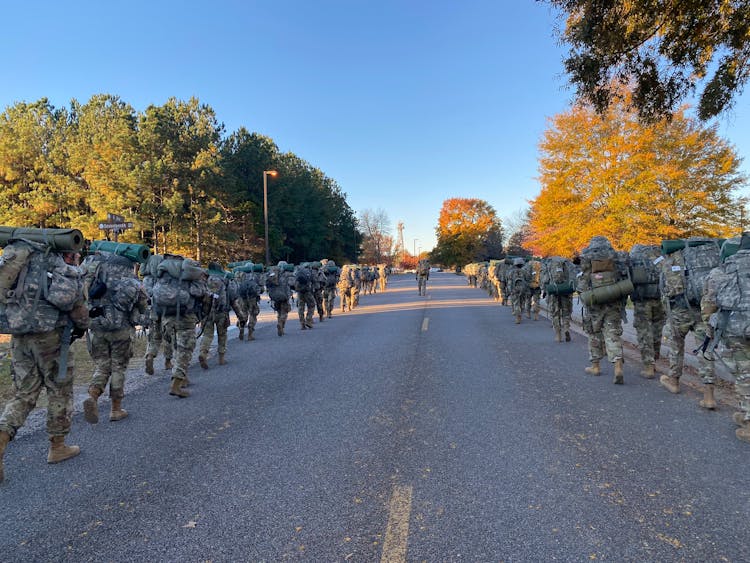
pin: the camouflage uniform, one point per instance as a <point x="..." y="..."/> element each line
<point x="648" y="310"/>
<point x="602" y="322"/>
<point x="181" y="332"/>
<point x="502" y="275"/>
<point x="224" y="296"/>
<point x="736" y="349"/>
<point x="534" y="268"/>
<point x="346" y="286"/>
<point x="35" y="364"/>
<point x="306" y="302"/>
<point x="559" y="307"/>
<point x="682" y="318"/>
<point x="518" y="282"/>
<point x="329" y="287"/>
<point x="383" y="276"/>
<point x="423" y="274"/>
<point x="279" y="280"/>
<point x="155" y="331"/>
<point x="319" y="284"/>
<point x="249" y="303"/>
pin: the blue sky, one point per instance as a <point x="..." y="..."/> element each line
<point x="404" y="102"/>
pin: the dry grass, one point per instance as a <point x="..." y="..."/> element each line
<point x="84" y="367"/>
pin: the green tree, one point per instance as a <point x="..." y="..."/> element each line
<point x="665" y="48"/>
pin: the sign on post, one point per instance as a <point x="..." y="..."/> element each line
<point x="115" y="224"/>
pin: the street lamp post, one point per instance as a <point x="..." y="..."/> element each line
<point x="415" y="246"/>
<point x="266" y="173"/>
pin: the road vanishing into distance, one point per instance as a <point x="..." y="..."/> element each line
<point x="412" y="429"/>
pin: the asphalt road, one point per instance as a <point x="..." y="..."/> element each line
<point x="414" y="428"/>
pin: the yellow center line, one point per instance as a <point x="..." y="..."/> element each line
<point x="425" y="324"/>
<point x="397" y="530"/>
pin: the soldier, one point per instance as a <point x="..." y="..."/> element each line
<point x="518" y="282"/>
<point x="329" y="289"/>
<point x="422" y="275"/>
<point x="503" y="271"/>
<point x="648" y="311"/>
<point x="558" y="287"/>
<point x="383" y="276"/>
<point x="279" y="291"/>
<point x="181" y="297"/>
<point x="155" y="332"/>
<point x="725" y="306"/>
<point x="319" y="284"/>
<point x="117" y="302"/>
<point x="534" y="268"/>
<point x="356" y="274"/>
<point x="304" y="285"/>
<point x="605" y="304"/>
<point x="250" y="287"/>
<point x="224" y="298"/>
<point x="346" y="286"/>
<point x="40" y="343"/>
<point x="683" y="273"/>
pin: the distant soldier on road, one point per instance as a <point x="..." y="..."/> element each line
<point x="423" y="274"/>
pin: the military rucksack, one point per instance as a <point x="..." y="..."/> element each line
<point x="34" y="294"/>
<point x="303" y="279"/>
<point x="277" y="286"/>
<point x="113" y="292"/>
<point x="535" y="274"/>
<point x="559" y="276"/>
<point x="249" y="288"/>
<point x="733" y="295"/>
<point x="218" y="286"/>
<point x="423" y="268"/>
<point x="604" y="275"/>
<point x="644" y="271"/>
<point x="178" y="287"/>
<point x="686" y="267"/>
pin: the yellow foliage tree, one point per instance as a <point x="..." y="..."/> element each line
<point x="612" y="175"/>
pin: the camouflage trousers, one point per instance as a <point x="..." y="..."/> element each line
<point x="422" y="285"/>
<point x="347" y="299"/>
<point x="251" y="305"/>
<point x="737" y="359"/>
<point x="329" y="295"/>
<point x="219" y="321"/>
<point x="648" y="321"/>
<point x="560" y="309"/>
<point x="603" y="326"/>
<point x="682" y="320"/>
<point x="354" y="302"/>
<point x="533" y="303"/>
<point x="318" y="294"/>
<point x="181" y="333"/>
<point x="34" y="366"/>
<point x="111" y="353"/>
<point x="306" y="307"/>
<point x="282" y="309"/>
<point x="155" y="337"/>
<point x="383" y="282"/>
<point x="518" y="301"/>
<point x="504" y="293"/>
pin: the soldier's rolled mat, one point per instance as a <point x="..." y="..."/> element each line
<point x="60" y="240"/>
<point x="136" y="252"/>
<point x="670" y="246"/>
<point x="235" y="265"/>
<point x="607" y="294"/>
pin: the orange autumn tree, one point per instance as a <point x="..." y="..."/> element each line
<point x="633" y="183"/>
<point x="468" y="230"/>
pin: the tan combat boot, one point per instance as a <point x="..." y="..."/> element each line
<point x="222" y="361"/>
<point x="242" y="333"/>
<point x="671" y="384"/>
<point x="280" y="328"/>
<point x="150" y="365"/>
<point x="518" y="319"/>
<point x="4" y="440"/>
<point x="648" y="371"/>
<point x="90" y="405"/>
<point x="618" y="380"/>
<point x="177" y="390"/>
<point x="58" y="451"/>
<point x="117" y="412"/>
<point x="558" y="335"/>
<point x="167" y="363"/>
<point x="708" y="401"/>
<point x="202" y="361"/>
<point x="593" y="369"/>
<point x="739" y="418"/>
<point x="743" y="433"/>
<point x="536" y="315"/>
<point x="250" y="335"/>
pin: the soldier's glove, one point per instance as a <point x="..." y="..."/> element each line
<point x="96" y="312"/>
<point x="77" y="333"/>
<point x="624" y="315"/>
